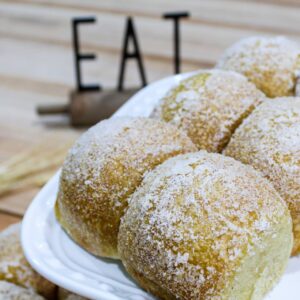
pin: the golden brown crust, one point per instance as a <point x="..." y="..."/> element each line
<point x="270" y="63"/>
<point x="269" y="140"/>
<point x="14" y="267"/>
<point x="103" y="168"/>
<point x="66" y="295"/>
<point x="200" y="227"/>
<point x="209" y="106"/>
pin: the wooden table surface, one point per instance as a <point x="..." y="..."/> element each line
<point x="36" y="58"/>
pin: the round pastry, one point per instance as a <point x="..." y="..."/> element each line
<point x="269" y="140"/>
<point x="204" y="226"/>
<point x="14" y="267"/>
<point x="103" y="169"/>
<point x="10" y="291"/>
<point x="271" y="64"/>
<point x="209" y="106"/>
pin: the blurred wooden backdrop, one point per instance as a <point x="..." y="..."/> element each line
<point x="36" y="59"/>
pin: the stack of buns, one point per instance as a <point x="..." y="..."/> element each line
<point x="202" y="199"/>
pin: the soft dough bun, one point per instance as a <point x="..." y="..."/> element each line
<point x="103" y="169"/>
<point x="269" y="140"/>
<point x="204" y="226"/>
<point x="209" y="106"/>
<point x="14" y="267"/>
<point x="66" y="295"/>
<point x="10" y="291"/>
<point x="271" y="63"/>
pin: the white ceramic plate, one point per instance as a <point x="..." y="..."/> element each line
<point x="54" y="255"/>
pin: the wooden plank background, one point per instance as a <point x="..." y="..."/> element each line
<point x="36" y="61"/>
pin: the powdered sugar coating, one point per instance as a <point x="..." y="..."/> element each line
<point x="209" y="106"/>
<point x="14" y="267"/>
<point x="10" y="291"/>
<point x="193" y="223"/>
<point x="103" y="169"/>
<point x="270" y="63"/>
<point x="269" y="140"/>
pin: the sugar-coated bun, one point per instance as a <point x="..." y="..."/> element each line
<point x="103" y="169"/>
<point x="270" y="63"/>
<point x="269" y="140"/>
<point x="14" y="267"/>
<point x="204" y="226"/>
<point x="209" y="106"/>
<point x="66" y="295"/>
<point x="10" y="291"/>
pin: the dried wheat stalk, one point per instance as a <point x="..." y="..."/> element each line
<point x="31" y="168"/>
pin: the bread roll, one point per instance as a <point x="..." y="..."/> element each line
<point x="103" y="169"/>
<point x="14" y="267"/>
<point x="66" y="295"/>
<point x="204" y="226"/>
<point x="10" y="291"/>
<point x="269" y="140"/>
<point x="270" y="63"/>
<point x="209" y="106"/>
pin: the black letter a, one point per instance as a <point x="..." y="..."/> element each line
<point x="130" y="33"/>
